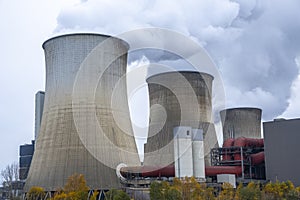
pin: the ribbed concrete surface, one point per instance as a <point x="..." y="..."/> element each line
<point x="178" y="99"/>
<point x="241" y="122"/>
<point x="70" y="140"/>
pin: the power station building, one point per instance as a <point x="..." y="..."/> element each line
<point x="281" y="150"/>
<point x="39" y="107"/>
<point x="82" y="131"/>
<point x="241" y="122"/>
<point x="27" y="150"/>
<point x="83" y="126"/>
<point x="178" y="99"/>
<point x="26" y="154"/>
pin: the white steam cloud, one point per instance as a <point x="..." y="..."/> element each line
<point x="254" y="43"/>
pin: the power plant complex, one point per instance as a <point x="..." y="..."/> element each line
<point x="85" y="126"/>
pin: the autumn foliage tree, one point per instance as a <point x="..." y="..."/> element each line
<point x="75" y="189"/>
<point x="190" y="189"/>
<point x="35" y="193"/>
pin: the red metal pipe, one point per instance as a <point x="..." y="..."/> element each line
<point x="149" y="171"/>
<point x="247" y="142"/>
<point x="169" y="171"/>
<point x="227" y="143"/>
<point x="214" y="170"/>
<point x="258" y="158"/>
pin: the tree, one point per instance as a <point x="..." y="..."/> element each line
<point x="280" y="190"/>
<point x="227" y="192"/>
<point x="75" y="189"/>
<point x="35" y="193"/>
<point x="9" y="175"/>
<point x="251" y="192"/>
<point x="114" y="194"/>
<point x="156" y="191"/>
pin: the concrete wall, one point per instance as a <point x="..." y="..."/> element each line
<point x="178" y="99"/>
<point x="241" y="122"/>
<point x="281" y="150"/>
<point x="81" y="132"/>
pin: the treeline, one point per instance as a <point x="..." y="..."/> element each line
<point x="75" y="189"/>
<point x="186" y="189"/>
<point x="190" y="189"/>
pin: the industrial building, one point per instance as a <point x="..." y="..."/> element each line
<point x="27" y="150"/>
<point x="241" y="122"/>
<point x="281" y="143"/>
<point x="83" y="126"/>
<point x="70" y="140"/>
<point x="26" y="154"/>
<point x="185" y="97"/>
<point x="39" y="107"/>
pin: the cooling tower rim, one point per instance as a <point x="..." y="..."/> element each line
<point x="84" y="34"/>
<point x="180" y="71"/>
<point x="241" y="109"/>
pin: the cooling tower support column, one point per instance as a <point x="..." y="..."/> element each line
<point x="83" y="129"/>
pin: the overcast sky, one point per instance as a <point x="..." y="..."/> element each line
<point x="254" y="43"/>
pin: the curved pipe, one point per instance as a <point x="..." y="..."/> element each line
<point x="148" y="171"/>
<point x="258" y="158"/>
<point x="227" y="143"/>
<point x="247" y="142"/>
<point x="214" y="170"/>
<point x="169" y="171"/>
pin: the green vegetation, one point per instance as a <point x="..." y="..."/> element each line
<point x="116" y="195"/>
<point x="35" y="193"/>
<point x="186" y="189"/>
<point x="75" y="189"/>
<point x="190" y="189"/>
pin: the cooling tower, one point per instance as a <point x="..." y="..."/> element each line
<point x="241" y="122"/>
<point x="173" y="103"/>
<point x="82" y="130"/>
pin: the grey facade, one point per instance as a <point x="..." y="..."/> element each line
<point x="282" y="158"/>
<point x="241" y="122"/>
<point x="26" y="154"/>
<point x="178" y="99"/>
<point x="39" y="107"/>
<point x="83" y="129"/>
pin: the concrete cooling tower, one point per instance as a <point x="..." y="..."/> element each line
<point x="83" y="129"/>
<point x="241" y="122"/>
<point x="178" y="99"/>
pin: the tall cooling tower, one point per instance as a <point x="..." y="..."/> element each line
<point x="241" y="122"/>
<point x="173" y="103"/>
<point x="83" y="130"/>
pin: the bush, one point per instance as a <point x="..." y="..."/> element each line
<point x="116" y="195"/>
<point x="36" y="193"/>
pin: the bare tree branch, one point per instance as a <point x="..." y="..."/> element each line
<point x="9" y="175"/>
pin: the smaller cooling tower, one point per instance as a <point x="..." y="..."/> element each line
<point x="184" y="99"/>
<point x="241" y="122"/>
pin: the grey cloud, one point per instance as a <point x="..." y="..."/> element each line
<point x="253" y="42"/>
